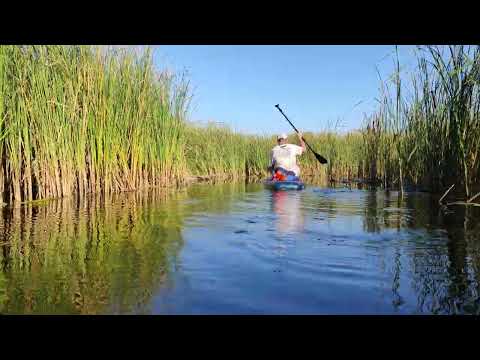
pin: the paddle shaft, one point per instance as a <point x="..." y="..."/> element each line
<point x="278" y="107"/>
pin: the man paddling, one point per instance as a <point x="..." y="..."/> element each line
<point x="284" y="159"/>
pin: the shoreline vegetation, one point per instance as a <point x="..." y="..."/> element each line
<point x="76" y="120"/>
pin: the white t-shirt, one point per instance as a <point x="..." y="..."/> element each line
<point x="285" y="156"/>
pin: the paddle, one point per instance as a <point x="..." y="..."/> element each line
<point x="319" y="157"/>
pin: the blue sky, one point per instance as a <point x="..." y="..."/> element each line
<point x="316" y="86"/>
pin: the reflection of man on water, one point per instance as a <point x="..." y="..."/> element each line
<point x="286" y="205"/>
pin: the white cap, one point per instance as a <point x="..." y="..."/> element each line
<point x="282" y="136"/>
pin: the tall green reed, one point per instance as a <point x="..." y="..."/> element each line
<point x="431" y="138"/>
<point x="77" y="119"/>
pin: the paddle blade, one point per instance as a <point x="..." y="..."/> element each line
<point x="320" y="158"/>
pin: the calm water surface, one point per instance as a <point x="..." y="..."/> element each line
<point x="241" y="249"/>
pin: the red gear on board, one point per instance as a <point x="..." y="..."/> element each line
<point x="279" y="176"/>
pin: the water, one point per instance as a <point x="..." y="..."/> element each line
<point x="241" y="249"/>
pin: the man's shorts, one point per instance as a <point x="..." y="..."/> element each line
<point x="290" y="175"/>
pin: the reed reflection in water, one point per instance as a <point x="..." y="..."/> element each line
<point x="100" y="256"/>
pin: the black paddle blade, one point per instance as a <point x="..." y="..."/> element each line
<point x="320" y="158"/>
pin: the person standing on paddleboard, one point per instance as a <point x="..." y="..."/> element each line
<point x="284" y="158"/>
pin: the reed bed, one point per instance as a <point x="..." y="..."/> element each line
<point x="430" y="137"/>
<point x="77" y="119"/>
<point x="218" y="151"/>
<point x="343" y="151"/>
<point x="215" y="150"/>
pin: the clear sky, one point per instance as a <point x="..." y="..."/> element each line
<point x="315" y="85"/>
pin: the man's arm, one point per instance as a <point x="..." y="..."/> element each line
<point x="272" y="163"/>
<point x="302" y="142"/>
